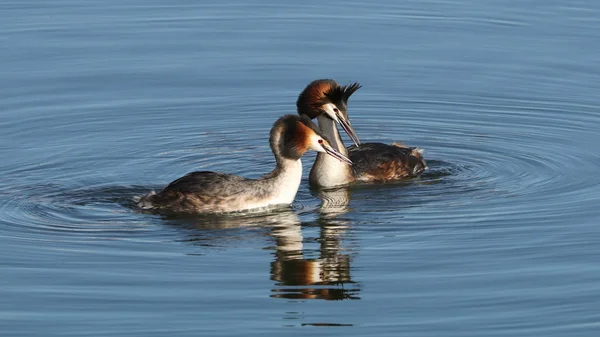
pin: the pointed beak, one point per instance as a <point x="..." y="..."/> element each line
<point x="348" y="128"/>
<point x="330" y="151"/>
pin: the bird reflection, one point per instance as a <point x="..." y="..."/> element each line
<point x="323" y="276"/>
<point x="300" y="270"/>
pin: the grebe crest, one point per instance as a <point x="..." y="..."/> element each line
<point x="327" y="97"/>
<point x="327" y="101"/>
<point x="211" y="192"/>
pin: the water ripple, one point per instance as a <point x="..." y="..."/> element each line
<point x="50" y="212"/>
<point x="511" y="158"/>
<point x="507" y="160"/>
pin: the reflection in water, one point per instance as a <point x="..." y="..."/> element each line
<point x="300" y="272"/>
<point x="324" y="275"/>
<point x="334" y="202"/>
<point x="239" y="220"/>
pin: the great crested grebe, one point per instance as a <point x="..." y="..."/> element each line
<point x="211" y="192"/>
<point x="327" y="101"/>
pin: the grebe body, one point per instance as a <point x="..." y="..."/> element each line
<point x="212" y="192"/>
<point x="327" y="101"/>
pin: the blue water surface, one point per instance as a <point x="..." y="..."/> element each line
<point x="104" y="101"/>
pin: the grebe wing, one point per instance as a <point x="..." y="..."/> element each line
<point x="379" y="161"/>
<point x="206" y="182"/>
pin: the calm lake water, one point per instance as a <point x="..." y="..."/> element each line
<point x="104" y="101"/>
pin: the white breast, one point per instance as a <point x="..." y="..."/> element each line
<point x="285" y="185"/>
<point x="328" y="172"/>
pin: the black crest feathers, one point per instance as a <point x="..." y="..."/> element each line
<point x="341" y="93"/>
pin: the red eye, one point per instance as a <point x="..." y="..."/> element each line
<point x="336" y="110"/>
<point x="320" y="141"/>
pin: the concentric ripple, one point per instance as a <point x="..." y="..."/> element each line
<point x="50" y="212"/>
<point x="106" y="100"/>
<point x="497" y="156"/>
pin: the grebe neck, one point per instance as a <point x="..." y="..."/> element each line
<point x="283" y="182"/>
<point x="328" y="171"/>
<point x="330" y="130"/>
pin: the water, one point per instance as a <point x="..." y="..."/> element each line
<point x="101" y="102"/>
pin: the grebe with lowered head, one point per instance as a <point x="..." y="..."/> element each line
<point x="327" y="101"/>
<point x="212" y="192"/>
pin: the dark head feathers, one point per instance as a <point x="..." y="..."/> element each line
<point x="288" y="122"/>
<point x="290" y="135"/>
<point x="321" y="92"/>
<point x="341" y="93"/>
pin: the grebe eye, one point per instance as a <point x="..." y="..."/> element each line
<point x="320" y="141"/>
<point x="336" y="110"/>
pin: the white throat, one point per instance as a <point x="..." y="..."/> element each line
<point x="328" y="171"/>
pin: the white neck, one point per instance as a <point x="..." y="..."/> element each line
<point x="328" y="171"/>
<point x="278" y="187"/>
<point x="286" y="182"/>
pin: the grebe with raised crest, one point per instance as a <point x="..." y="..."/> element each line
<point x="327" y="101"/>
<point x="211" y="192"/>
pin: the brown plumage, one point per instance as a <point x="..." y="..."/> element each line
<point x="320" y="92"/>
<point x="327" y="101"/>
<point x="213" y="192"/>
<point x="378" y="162"/>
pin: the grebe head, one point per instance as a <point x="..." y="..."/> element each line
<point x="327" y="97"/>
<point x="292" y="136"/>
